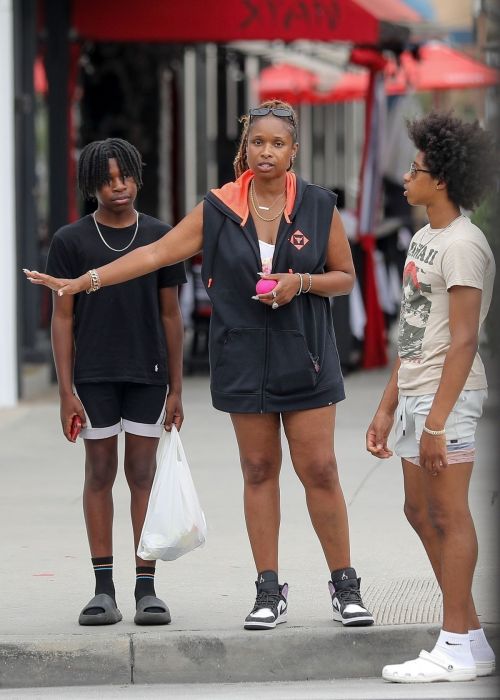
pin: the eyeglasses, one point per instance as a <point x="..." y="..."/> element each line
<point x="277" y="111"/>
<point x="414" y="169"/>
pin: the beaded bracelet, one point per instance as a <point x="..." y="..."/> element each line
<point x="297" y="294"/>
<point x="95" y="281"/>
<point x="433" y="432"/>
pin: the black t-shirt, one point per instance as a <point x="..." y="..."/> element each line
<point x="118" y="333"/>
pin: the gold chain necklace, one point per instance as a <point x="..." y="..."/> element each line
<point x="257" y="200"/>
<point x="263" y="218"/>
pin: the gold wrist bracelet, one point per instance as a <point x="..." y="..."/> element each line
<point x="95" y="281"/>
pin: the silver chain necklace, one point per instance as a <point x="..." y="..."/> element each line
<point x="441" y="230"/>
<point x="118" y="250"/>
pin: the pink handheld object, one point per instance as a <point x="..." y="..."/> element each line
<point x="265" y="286"/>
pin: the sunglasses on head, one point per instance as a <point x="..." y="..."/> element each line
<point x="277" y="111"/>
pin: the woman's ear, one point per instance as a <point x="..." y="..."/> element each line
<point x="293" y="155"/>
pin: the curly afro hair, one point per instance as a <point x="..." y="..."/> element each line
<point x="461" y="154"/>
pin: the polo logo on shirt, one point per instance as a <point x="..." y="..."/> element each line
<point x="299" y="240"/>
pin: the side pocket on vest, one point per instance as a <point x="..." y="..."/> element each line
<point x="240" y="364"/>
<point x="291" y="366"/>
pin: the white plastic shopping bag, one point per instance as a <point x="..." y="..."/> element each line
<point x="174" y="522"/>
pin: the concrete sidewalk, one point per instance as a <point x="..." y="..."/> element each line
<point x="47" y="575"/>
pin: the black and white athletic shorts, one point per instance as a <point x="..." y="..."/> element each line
<point x="111" y="407"/>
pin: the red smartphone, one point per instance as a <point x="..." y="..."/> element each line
<point x="76" y="426"/>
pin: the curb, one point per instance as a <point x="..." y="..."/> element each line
<point x="292" y="654"/>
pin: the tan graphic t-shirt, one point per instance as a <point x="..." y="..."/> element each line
<point x="438" y="259"/>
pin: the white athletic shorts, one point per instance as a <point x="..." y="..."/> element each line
<point x="460" y="427"/>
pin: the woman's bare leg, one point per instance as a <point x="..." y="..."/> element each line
<point x="310" y="437"/>
<point x="259" y="444"/>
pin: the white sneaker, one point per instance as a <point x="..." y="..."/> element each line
<point x="270" y="609"/>
<point x="348" y="606"/>
<point x="429" y="668"/>
<point x="485" y="668"/>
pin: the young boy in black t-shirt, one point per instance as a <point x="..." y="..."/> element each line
<point x="118" y="358"/>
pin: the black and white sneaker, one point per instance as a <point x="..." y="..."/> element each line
<point x="347" y="603"/>
<point x="270" y="609"/>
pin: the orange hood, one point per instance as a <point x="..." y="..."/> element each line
<point x="235" y="195"/>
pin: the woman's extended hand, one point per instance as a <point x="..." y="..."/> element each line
<point x="287" y="287"/>
<point x="59" y="285"/>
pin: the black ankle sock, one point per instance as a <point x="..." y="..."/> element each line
<point x="144" y="582"/>
<point x="346" y="574"/>
<point x="267" y="581"/>
<point x="103" y="570"/>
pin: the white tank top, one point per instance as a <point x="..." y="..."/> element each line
<point x="266" y="256"/>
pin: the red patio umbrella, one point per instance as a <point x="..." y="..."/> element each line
<point x="296" y="85"/>
<point x="290" y="83"/>
<point x="438" y="67"/>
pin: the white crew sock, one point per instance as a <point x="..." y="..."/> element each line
<point x="456" y="646"/>
<point x="481" y="650"/>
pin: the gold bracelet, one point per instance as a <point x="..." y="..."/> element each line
<point x="306" y="291"/>
<point x="95" y="281"/>
<point x="433" y="432"/>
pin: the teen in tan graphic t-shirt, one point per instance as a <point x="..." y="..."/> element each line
<point x="438" y="384"/>
<point x="437" y="260"/>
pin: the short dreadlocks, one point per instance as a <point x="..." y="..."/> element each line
<point x="461" y="154"/>
<point x="93" y="165"/>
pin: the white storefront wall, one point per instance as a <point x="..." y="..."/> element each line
<point x="8" y="325"/>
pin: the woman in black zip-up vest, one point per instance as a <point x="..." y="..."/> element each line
<point x="273" y="356"/>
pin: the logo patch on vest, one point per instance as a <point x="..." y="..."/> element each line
<point x="299" y="240"/>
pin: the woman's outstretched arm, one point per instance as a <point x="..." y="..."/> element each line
<point x="180" y="243"/>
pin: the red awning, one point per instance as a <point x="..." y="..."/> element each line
<point x="439" y="68"/>
<point x="359" y="21"/>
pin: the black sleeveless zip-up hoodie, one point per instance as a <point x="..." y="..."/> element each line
<point x="264" y="360"/>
